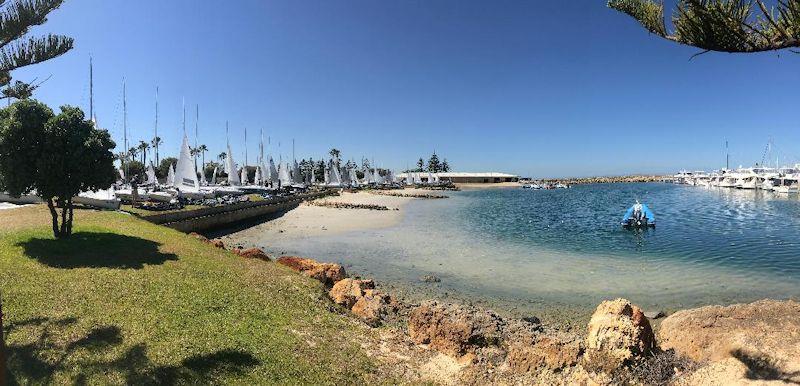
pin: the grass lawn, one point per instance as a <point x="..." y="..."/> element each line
<point x="144" y="212"/>
<point x="127" y="302"/>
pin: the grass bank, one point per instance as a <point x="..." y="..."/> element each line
<point x="128" y="302"/>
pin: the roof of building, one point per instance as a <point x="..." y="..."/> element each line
<point x="467" y="175"/>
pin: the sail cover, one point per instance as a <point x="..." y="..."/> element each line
<point x="185" y="176"/>
<point x="171" y="175"/>
<point x="214" y="177"/>
<point x="230" y="169"/>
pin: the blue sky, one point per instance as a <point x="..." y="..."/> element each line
<point x="567" y="88"/>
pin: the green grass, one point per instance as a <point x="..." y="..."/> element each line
<point x="144" y="212"/>
<point x="128" y="302"/>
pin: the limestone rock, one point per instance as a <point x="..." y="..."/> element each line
<point x="198" y="236"/>
<point x="759" y="340"/>
<point x="253" y="253"/>
<point x="372" y="307"/>
<point x="453" y="329"/>
<point x="326" y="273"/>
<point x="347" y="292"/>
<point x="619" y="333"/>
<point x="548" y="352"/>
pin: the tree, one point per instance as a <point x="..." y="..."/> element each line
<point x="163" y="167"/>
<point x="203" y="149"/>
<point x="19" y="50"/>
<point x="222" y="156"/>
<point x="135" y="171"/>
<point x="156" y="142"/>
<point x="132" y="153"/>
<point x="445" y="166"/>
<point x="420" y="164"/>
<point x="58" y="156"/>
<point x="335" y="153"/>
<point x="433" y="164"/>
<point x="721" y="25"/>
<point x="143" y="147"/>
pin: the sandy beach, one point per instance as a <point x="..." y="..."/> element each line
<point x="310" y="220"/>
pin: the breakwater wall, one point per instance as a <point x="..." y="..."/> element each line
<point x="605" y="180"/>
<point x="205" y="219"/>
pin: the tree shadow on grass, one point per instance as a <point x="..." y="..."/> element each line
<point x="38" y="360"/>
<point x="764" y="368"/>
<point x="96" y="250"/>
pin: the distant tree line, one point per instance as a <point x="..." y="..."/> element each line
<point x="433" y="165"/>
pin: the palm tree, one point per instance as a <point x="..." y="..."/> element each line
<point x="203" y="149"/>
<point x="335" y="153"/>
<point x="222" y="156"/>
<point x="18" y="49"/>
<point x="155" y="143"/>
<point x="143" y="147"/>
<point x="132" y="152"/>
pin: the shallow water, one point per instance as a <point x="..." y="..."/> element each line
<point x="533" y="249"/>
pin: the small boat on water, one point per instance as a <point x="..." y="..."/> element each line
<point x="638" y="216"/>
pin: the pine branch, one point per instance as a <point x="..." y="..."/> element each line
<point x="17" y="18"/>
<point x="721" y="25"/>
<point x="33" y="50"/>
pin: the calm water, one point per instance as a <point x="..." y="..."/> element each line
<point x="565" y="247"/>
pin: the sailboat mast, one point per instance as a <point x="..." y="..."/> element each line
<point x="196" y="119"/>
<point x="727" y="157"/>
<point x="183" y="105"/>
<point x="155" y="139"/>
<point x="293" y="159"/>
<point x="124" y="115"/>
<point x="245" y="146"/>
<point x="91" y="90"/>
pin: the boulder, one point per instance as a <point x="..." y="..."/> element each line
<point x="347" y="292"/>
<point x="759" y="340"/>
<point x="372" y="307"/>
<point x="198" y="236"/>
<point x="619" y="334"/>
<point x="547" y="352"/>
<point x="253" y="253"/>
<point x="454" y="329"/>
<point x="326" y="273"/>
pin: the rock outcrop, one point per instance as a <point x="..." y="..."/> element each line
<point x="452" y="329"/>
<point x="347" y="292"/>
<point x="373" y="307"/>
<point x="548" y="352"/>
<point x="252" y="253"/>
<point x="326" y="273"/>
<point x="619" y="333"/>
<point x="755" y="341"/>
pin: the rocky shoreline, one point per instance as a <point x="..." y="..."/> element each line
<point x="605" y="180"/>
<point x="450" y="343"/>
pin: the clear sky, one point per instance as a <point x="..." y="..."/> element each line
<point x="542" y="88"/>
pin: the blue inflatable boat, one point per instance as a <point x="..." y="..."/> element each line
<point x="639" y="216"/>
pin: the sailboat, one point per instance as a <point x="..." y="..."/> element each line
<point x="171" y="175"/>
<point x="283" y="175"/>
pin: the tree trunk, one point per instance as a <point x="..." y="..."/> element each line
<point x="54" y="215"/>
<point x="69" y="217"/>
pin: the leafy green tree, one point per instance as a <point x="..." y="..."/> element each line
<point x="445" y="166"/>
<point x="319" y="171"/>
<point x="163" y="167"/>
<point x="721" y="25"/>
<point x="420" y="165"/>
<point x="17" y="48"/>
<point x="135" y="171"/>
<point x="335" y="153"/>
<point x="208" y="171"/>
<point x="434" y="166"/>
<point x="57" y="156"/>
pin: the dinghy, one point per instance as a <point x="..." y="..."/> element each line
<point x="639" y="216"/>
<point x="103" y="199"/>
